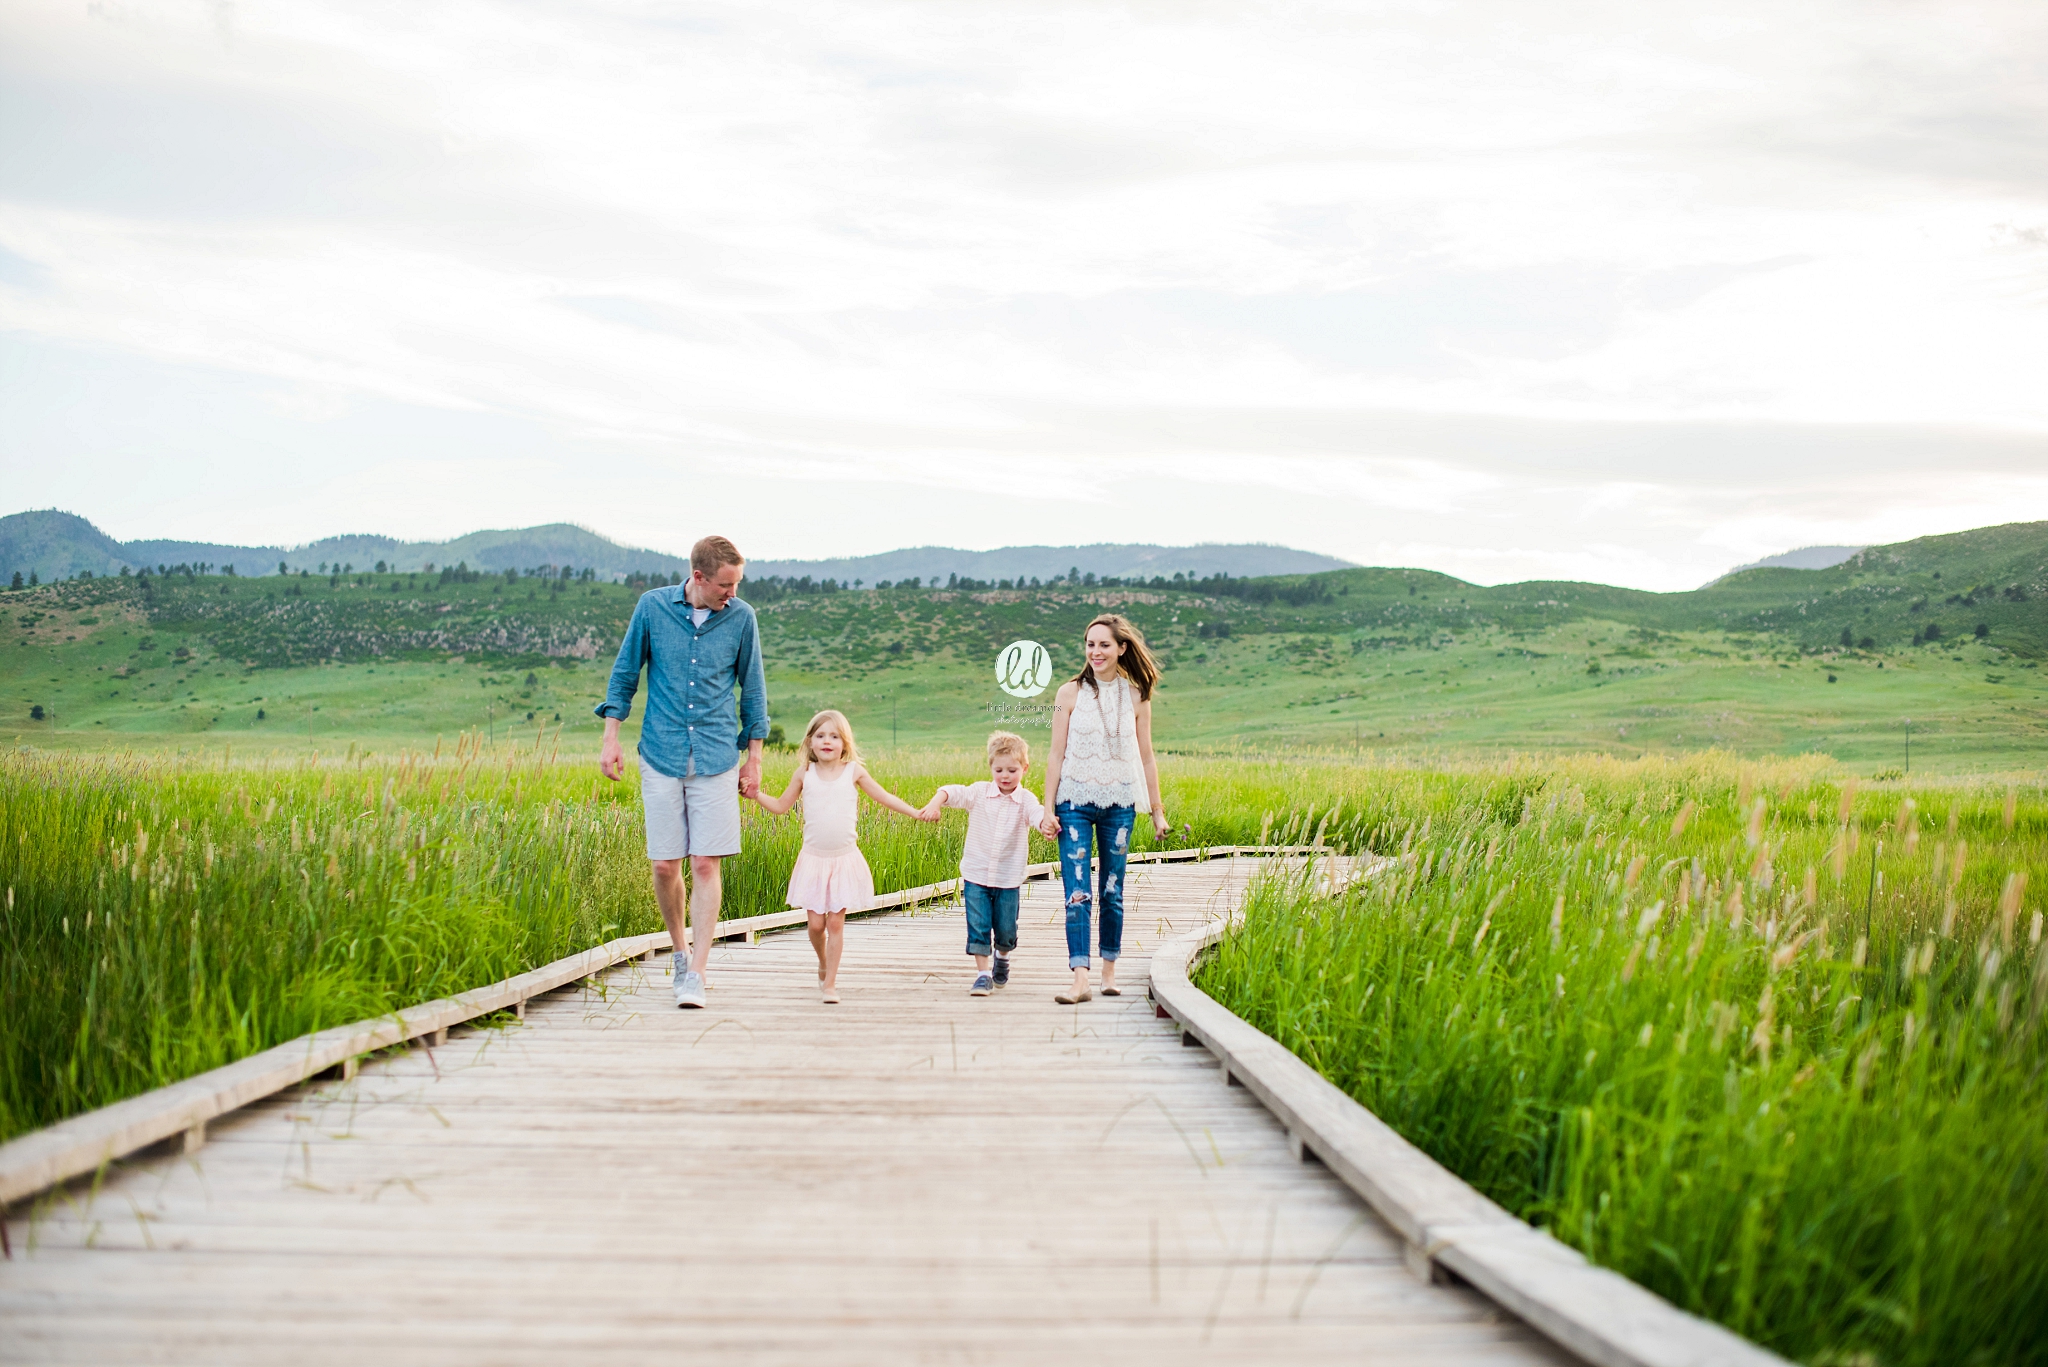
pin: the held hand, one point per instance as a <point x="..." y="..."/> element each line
<point x="750" y="777"/>
<point x="611" y="760"/>
<point x="1049" y="826"/>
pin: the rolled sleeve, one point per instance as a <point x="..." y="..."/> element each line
<point x="953" y="795"/>
<point x="753" y="680"/>
<point x="625" y="679"/>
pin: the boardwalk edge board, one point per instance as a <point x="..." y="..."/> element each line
<point x="1598" y="1315"/>
<point x="83" y="1144"/>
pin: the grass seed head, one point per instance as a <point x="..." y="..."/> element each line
<point x="2009" y="905"/>
<point x="1648" y="920"/>
<point x="1678" y="823"/>
<point x="1767" y="1015"/>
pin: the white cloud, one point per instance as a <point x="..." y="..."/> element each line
<point x="1547" y="284"/>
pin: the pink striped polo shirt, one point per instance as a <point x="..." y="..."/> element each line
<point x="998" y="831"/>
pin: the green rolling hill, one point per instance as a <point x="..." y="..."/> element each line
<point x="1946" y="631"/>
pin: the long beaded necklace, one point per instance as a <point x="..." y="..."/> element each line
<point x="1112" y="735"/>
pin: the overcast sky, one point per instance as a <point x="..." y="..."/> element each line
<point x="1618" y="291"/>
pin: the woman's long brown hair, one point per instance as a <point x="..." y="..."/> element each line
<point x="1136" y="662"/>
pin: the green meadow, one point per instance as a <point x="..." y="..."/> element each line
<point x="1933" y="645"/>
<point x="1773" y="1046"/>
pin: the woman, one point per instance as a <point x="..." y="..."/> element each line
<point x="1100" y="776"/>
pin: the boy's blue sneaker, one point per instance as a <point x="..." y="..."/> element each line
<point x="1002" y="973"/>
<point x="980" y="988"/>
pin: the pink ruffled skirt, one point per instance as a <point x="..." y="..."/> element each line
<point x="831" y="882"/>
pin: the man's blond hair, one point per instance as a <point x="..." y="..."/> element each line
<point x="713" y="551"/>
<point x="1008" y="743"/>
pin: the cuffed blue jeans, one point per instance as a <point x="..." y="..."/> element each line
<point x="991" y="916"/>
<point x="1086" y="828"/>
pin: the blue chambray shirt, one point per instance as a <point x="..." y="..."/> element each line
<point x="691" y="674"/>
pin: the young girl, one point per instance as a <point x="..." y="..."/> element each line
<point x="830" y="877"/>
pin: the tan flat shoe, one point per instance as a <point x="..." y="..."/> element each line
<point x="1071" y="998"/>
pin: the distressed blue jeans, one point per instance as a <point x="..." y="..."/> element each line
<point x="1086" y="828"/>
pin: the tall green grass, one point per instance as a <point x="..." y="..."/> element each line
<point x="1786" y="1078"/>
<point x="1774" y="1049"/>
<point x="166" y="917"/>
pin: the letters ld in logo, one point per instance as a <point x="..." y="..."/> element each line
<point x="1023" y="669"/>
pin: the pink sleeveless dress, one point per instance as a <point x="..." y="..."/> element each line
<point x="830" y="874"/>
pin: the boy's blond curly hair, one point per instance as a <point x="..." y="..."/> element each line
<point x="1008" y="743"/>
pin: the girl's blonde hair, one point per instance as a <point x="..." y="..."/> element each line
<point x="1136" y="662"/>
<point x="850" y="752"/>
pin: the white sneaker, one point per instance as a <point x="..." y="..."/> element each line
<point x="689" y="989"/>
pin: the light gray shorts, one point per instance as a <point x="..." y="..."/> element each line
<point x="691" y="816"/>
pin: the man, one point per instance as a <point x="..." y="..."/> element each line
<point x="699" y="644"/>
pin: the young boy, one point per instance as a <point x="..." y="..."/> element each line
<point x="1000" y="815"/>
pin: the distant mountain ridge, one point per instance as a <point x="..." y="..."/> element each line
<point x="1804" y="558"/>
<point x="1240" y="561"/>
<point x="58" y="545"/>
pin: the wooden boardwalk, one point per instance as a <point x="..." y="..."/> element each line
<point x="913" y="1175"/>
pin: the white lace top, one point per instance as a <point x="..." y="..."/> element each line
<point x="1101" y="763"/>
